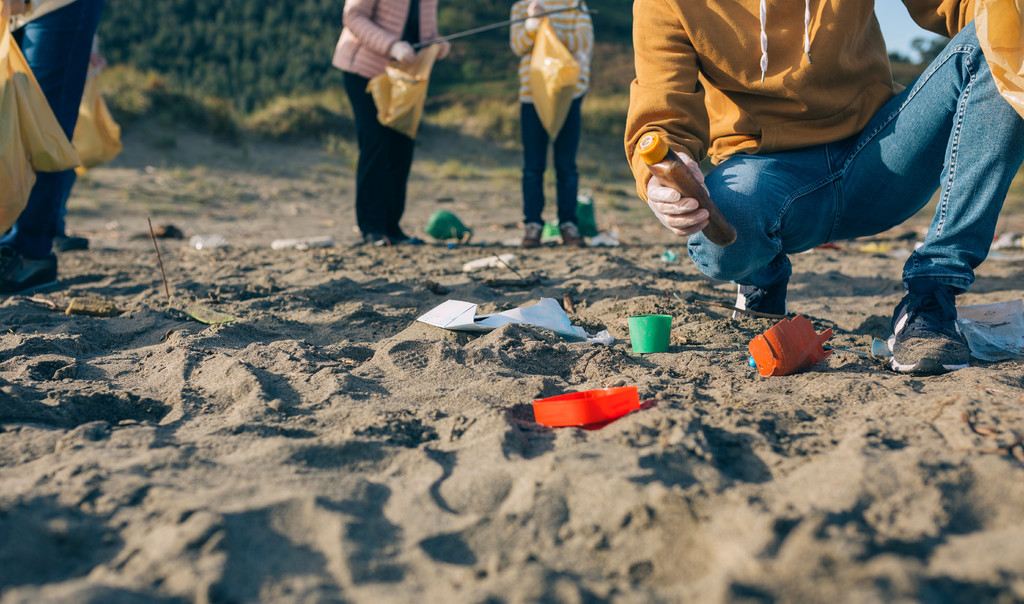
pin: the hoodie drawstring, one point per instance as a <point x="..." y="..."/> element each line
<point x="763" y="14"/>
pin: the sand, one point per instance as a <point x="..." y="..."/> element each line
<point x="326" y="447"/>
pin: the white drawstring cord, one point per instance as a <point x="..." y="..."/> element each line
<point x="764" y="40"/>
<point x="807" y="29"/>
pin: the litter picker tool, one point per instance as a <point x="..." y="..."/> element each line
<point x="483" y="28"/>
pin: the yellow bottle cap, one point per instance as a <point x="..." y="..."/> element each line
<point x="652" y="148"/>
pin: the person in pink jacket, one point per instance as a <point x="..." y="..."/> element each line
<point x="375" y="32"/>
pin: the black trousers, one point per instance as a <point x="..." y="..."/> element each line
<point x="382" y="173"/>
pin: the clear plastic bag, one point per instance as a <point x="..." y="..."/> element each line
<point x="994" y="332"/>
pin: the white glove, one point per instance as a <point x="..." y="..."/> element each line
<point x="536" y="7"/>
<point x="679" y="214"/>
<point x="446" y="47"/>
<point x="402" y="52"/>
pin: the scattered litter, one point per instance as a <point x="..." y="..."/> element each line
<point x="92" y="307"/>
<point x="207" y="315"/>
<point x="586" y="408"/>
<point x="606" y="239"/>
<point x="828" y="246"/>
<point x="585" y="213"/>
<point x="880" y="348"/>
<point x="203" y="242"/>
<point x="669" y="257"/>
<point x="994" y="332"/>
<point x="301" y="244"/>
<point x="443" y="225"/>
<point x="461" y="316"/>
<point x="550" y="233"/>
<point x="788" y="347"/>
<point x="1007" y="241"/>
<point x="489" y="262"/>
<point x="875" y="247"/>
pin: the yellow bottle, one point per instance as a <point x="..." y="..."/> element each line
<point x="672" y="172"/>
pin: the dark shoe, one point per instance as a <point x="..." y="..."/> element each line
<point x="925" y="338"/>
<point x="571" y="234"/>
<point x="21" y="275"/>
<point x="531" y="234"/>
<point x="376" y="239"/>
<point x="769" y="300"/>
<point x="405" y="240"/>
<point x="63" y="243"/>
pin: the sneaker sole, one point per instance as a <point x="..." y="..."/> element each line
<point x="923" y="367"/>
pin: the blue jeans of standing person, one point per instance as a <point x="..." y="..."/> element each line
<point x="535" y="159"/>
<point x="57" y="47"/>
<point x="951" y="130"/>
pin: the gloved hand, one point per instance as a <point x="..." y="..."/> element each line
<point x="679" y="214"/>
<point x="402" y="52"/>
<point x="446" y="48"/>
<point x="535" y="8"/>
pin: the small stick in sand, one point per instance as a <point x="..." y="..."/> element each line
<point x="753" y="313"/>
<point x="509" y="266"/>
<point x="159" y="260"/>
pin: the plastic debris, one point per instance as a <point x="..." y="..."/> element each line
<point x="669" y="257"/>
<point x="791" y="345"/>
<point x="302" y="244"/>
<point x="585" y="213"/>
<point x="607" y="239"/>
<point x="875" y="247"/>
<point x="489" y="262"/>
<point x="204" y="242"/>
<point x="994" y="332"/>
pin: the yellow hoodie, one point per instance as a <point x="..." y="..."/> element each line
<point x="699" y="72"/>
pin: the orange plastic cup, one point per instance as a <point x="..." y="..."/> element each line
<point x="788" y="347"/>
<point x="587" y="407"/>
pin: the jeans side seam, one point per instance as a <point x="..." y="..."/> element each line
<point x="954" y="148"/>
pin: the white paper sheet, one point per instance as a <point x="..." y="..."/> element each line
<point x="461" y="316"/>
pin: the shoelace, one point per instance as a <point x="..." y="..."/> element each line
<point x="934" y="311"/>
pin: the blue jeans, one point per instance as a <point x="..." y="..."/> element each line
<point x="951" y="130"/>
<point x="57" y="47"/>
<point x="535" y="159"/>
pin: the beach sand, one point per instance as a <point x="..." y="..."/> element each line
<point x="327" y="447"/>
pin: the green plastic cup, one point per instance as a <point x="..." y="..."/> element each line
<point x="650" y="333"/>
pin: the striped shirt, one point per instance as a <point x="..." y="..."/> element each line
<point x="572" y="27"/>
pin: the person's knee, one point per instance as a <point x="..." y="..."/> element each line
<point x="730" y="263"/>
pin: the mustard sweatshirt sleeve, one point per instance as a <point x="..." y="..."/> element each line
<point x="666" y="96"/>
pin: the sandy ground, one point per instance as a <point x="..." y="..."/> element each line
<point x="326" y="447"/>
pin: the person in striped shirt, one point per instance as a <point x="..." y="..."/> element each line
<point x="575" y="30"/>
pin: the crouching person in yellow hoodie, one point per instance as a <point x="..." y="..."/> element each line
<point x="813" y="142"/>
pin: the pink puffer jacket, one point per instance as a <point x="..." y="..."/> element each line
<point x="371" y="27"/>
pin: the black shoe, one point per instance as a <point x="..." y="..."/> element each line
<point x="769" y="300"/>
<point x="376" y="239"/>
<point x="63" y="243"/>
<point x="406" y="240"/>
<point x="21" y="275"/>
<point x="925" y="338"/>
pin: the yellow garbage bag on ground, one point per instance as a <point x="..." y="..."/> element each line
<point x="1000" y="27"/>
<point x="400" y="93"/>
<point x="31" y="140"/>
<point x="97" y="137"/>
<point x="553" y="75"/>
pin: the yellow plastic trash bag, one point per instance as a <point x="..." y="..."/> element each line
<point x="31" y="140"/>
<point x="553" y="75"/>
<point x="1000" y="28"/>
<point x="97" y="137"/>
<point x="400" y="93"/>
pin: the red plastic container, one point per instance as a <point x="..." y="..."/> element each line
<point x="587" y="407"/>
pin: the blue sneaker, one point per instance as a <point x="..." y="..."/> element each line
<point x="21" y="275"/>
<point x="925" y="338"/>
